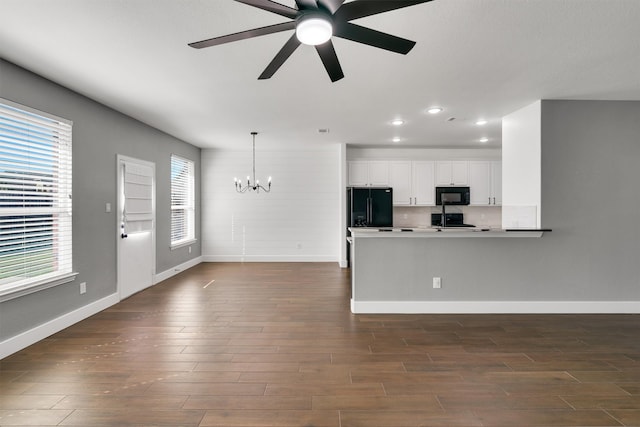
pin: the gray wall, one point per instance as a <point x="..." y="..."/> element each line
<point x="591" y="197"/>
<point x="99" y="134"/>
<point x="591" y="200"/>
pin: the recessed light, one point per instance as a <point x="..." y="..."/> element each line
<point x="483" y="140"/>
<point x="434" y="110"/>
<point x="396" y="139"/>
<point x="397" y="122"/>
<point x="481" y="122"/>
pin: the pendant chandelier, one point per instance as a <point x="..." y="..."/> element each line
<point x="255" y="185"/>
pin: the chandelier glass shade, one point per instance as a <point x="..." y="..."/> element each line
<point x="255" y="184"/>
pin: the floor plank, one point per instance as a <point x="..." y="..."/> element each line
<point x="274" y="344"/>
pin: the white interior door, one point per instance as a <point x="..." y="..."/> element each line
<point x="135" y="225"/>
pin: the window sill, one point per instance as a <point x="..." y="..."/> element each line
<point x="20" y="290"/>
<point x="183" y="243"/>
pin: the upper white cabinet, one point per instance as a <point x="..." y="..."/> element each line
<point x="412" y="182"/>
<point x="423" y="175"/>
<point x="485" y="182"/>
<point x="452" y="172"/>
<point x="373" y="173"/>
<point x="400" y="181"/>
<point x="496" y="182"/>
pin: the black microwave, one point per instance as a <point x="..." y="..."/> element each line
<point x="453" y="196"/>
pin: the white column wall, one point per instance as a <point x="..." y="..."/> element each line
<point x="521" y="163"/>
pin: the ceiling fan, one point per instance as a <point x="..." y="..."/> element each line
<point x="315" y="22"/>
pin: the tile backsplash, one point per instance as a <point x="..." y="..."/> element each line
<point x="420" y="217"/>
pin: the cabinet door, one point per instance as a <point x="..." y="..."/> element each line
<point x="358" y="173"/>
<point x="480" y="182"/>
<point x="443" y="173"/>
<point x="460" y="173"/>
<point x="454" y="172"/>
<point x="379" y="173"/>
<point x="423" y="180"/>
<point x="400" y="181"/>
<point x="496" y="183"/>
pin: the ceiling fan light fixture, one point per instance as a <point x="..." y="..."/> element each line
<point x="314" y="29"/>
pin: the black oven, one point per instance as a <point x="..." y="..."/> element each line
<point x="453" y="196"/>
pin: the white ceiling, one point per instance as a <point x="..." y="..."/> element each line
<point x="475" y="58"/>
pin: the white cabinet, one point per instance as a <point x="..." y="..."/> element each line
<point x="452" y="172"/>
<point x="400" y="181"/>
<point x="485" y="182"/>
<point x="373" y="173"/>
<point x="496" y="182"/>
<point x="412" y="182"/>
<point x="424" y="189"/>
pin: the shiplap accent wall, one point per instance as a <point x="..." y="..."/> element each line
<point x="299" y="220"/>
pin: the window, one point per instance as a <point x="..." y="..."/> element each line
<point x="35" y="199"/>
<point x="182" y="201"/>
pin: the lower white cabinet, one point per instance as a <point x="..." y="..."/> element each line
<point x="485" y="182"/>
<point x="413" y="182"/>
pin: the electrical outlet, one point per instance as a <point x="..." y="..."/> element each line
<point x="83" y="288"/>
<point x="437" y="283"/>
<point x="189" y="249"/>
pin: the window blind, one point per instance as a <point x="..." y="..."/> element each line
<point x="138" y="198"/>
<point x="35" y="196"/>
<point x="182" y="200"/>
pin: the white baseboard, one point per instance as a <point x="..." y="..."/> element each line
<point x="32" y="336"/>
<point x="175" y="270"/>
<point x="495" y="307"/>
<point x="269" y="258"/>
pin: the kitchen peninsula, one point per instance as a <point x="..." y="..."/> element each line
<point x="400" y="270"/>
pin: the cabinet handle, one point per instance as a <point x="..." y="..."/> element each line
<point x="494" y="200"/>
<point x="489" y="200"/>
<point x="415" y="200"/>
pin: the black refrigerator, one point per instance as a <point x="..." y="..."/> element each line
<point x="369" y="207"/>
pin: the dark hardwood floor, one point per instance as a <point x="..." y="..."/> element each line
<point x="275" y="345"/>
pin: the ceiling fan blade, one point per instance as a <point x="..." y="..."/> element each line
<point x="360" y="9"/>
<point x="331" y="5"/>
<point x="284" y="54"/>
<point x="263" y="31"/>
<point x="306" y="4"/>
<point x="330" y="60"/>
<point x="356" y="33"/>
<point x="271" y="6"/>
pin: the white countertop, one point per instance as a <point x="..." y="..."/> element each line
<point x="397" y="232"/>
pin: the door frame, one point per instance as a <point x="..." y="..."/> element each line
<point x="119" y="180"/>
